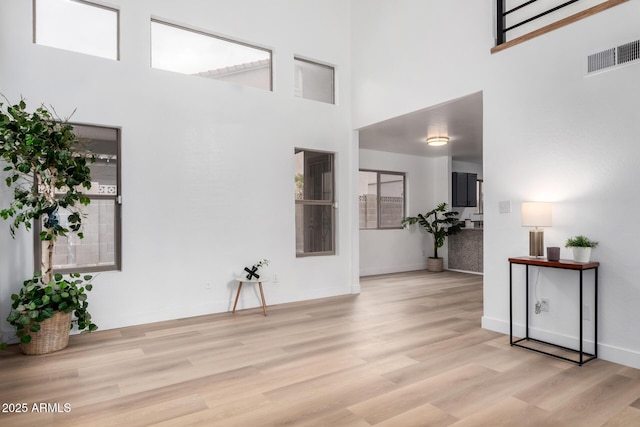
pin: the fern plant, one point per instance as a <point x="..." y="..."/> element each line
<point x="580" y="242"/>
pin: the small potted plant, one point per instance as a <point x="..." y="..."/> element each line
<point x="581" y="246"/>
<point x="47" y="169"/>
<point x="440" y="224"/>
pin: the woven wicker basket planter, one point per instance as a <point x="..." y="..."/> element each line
<point x="434" y="264"/>
<point x="52" y="336"/>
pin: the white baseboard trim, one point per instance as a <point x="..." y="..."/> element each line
<point x="607" y="352"/>
<point x="466" y="271"/>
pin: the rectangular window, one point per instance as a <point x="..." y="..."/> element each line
<point x="99" y="250"/>
<point x="314" y="81"/>
<point x="187" y="51"/>
<point x="78" y="26"/>
<point x="381" y="199"/>
<point x="314" y="197"/>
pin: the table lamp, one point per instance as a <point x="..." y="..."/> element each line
<point x="536" y="214"/>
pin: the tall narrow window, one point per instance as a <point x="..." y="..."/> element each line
<point x="76" y="25"/>
<point x="314" y="81"/>
<point x="381" y="199"/>
<point x="187" y="51"/>
<point x="314" y="196"/>
<point x="99" y="250"/>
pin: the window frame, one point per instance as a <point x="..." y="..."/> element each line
<point x="117" y="219"/>
<point x="215" y="36"/>
<point x="379" y="172"/>
<point x="330" y="203"/>
<point x="323" y="65"/>
<point x="86" y="3"/>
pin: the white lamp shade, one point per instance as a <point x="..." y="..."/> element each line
<point x="536" y="214"/>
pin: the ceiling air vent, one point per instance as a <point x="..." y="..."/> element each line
<point x="622" y="54"/>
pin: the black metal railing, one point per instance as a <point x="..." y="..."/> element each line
<point x="502" y="14"/>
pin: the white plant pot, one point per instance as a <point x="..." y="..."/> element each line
<point x="581" y="254"/>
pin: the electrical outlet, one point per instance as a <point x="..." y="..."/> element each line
<point x="275" y="278"/>
<point x="586" y="312"/>
<point x="207" y="285"/>
<point x="544" y="304"/>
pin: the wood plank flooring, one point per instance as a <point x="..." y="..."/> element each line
<point x="407" y="351"/>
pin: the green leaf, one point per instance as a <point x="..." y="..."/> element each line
<point x="13" y="317"/>
<point x="25" y="339"/>
<point x="35" y="327"/>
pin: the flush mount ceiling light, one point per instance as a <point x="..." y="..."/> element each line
<point x="437" y="141"/>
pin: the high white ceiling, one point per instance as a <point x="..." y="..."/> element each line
<point x="459" y="119"/>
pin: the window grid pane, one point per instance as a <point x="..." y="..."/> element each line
<point x="391" y="200"/>
<point x="368" y="199"/>
<point x="98" y="246"/>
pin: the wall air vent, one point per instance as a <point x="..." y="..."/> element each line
<point x="608" y="58"/>
<point x="629" y="52"/>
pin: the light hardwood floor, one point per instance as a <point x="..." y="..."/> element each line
<point x="407" y="351"/>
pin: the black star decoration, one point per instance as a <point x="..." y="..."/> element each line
<point x="252" y="272"/>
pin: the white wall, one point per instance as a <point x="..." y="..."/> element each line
<point x="409" y="66"/>
<point x="549" y="134"/>
<point x="413" y="54"/>
<point x="395" y="250"/>
<point x="221" y="152"/>
<point x="552" y="134"/>
<point x="207" y="166"/>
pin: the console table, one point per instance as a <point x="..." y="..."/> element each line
<point x="580" y="267"/>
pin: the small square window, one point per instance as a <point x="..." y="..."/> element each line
<point x="314" y="81"/>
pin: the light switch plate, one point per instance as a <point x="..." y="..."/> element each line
<point x="504" y="206"/>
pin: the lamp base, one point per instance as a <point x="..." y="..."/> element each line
<point x="536" y="243"/>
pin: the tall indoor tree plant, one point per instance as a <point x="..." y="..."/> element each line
<point x="47" y="169"/>
<point x="440" y="223"/>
